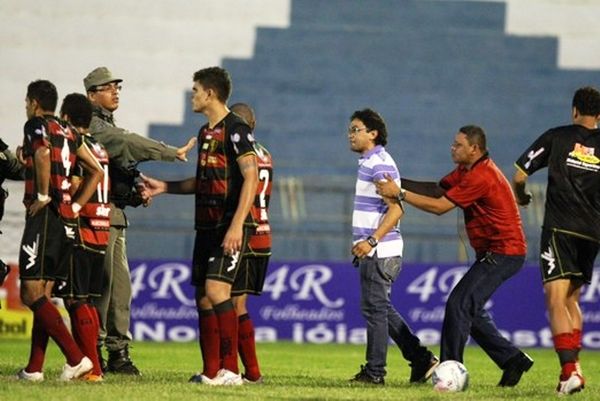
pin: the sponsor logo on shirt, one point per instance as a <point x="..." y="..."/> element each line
<point x="584" y="158"/>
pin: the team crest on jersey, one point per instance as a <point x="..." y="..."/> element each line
<point x="584" y="158"/>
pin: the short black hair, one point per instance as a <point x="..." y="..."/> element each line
<point x="475" y="136"/>
<point x="217" y="79"/>
<point x="79" y="109"/>
<point x="587" y="101"/>
<point x="245" y="111"/>
<point x="373" y="121"/>
<point x="44" y="92"/>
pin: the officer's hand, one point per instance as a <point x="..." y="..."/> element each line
<point x="182" y="151"/>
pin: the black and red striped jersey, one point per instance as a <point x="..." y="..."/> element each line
<point x="63" y="142"/>
<point x="260" y="241"/>
<point x="218" y="177"/>
<point x="94" y="217"/>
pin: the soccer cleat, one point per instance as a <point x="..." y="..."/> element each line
<point x="227" y="378"/>
<point x="246" y="380"/>
<point x="514" y="369"/>
<point x="32" y="377"/>
<point x="574" y="384"/>
<point x="422" y="369"/>
<point x="92" y="378"/>
<point x="365" y="377"/>
<point x="73" y="372"/>
<point x="224" y="377"/>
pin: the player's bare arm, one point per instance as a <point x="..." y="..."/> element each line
<point x="42" y="179"/>
<point x="93" y="175"/>
<point x="233" y="238"/>
<point x="519" y="183"/>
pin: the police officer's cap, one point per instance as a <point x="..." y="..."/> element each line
<point x="99" y="76"/>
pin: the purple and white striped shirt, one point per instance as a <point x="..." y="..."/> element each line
<point x="369" y="207"/>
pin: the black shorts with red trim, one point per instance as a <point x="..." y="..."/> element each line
<point x="85" y="275"/>
<point x="45" y="248"/>
<point x="251" y="276"/>
<point x="210" y="262"/>
<point x="566" y="255"/>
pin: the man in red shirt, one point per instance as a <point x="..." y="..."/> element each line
<point x="495" y="232"/>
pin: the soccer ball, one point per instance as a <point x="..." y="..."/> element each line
<point x="450" y="376"/>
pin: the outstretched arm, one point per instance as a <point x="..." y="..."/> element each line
<point x="153" y="186"/>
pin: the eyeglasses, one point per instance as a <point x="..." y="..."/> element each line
<point x="356" y="130"/>
<point x="108" y="87"/>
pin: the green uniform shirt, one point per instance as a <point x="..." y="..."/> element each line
<point x="126" y="148"/>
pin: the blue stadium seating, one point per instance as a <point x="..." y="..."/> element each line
<point x="429" y="67"/>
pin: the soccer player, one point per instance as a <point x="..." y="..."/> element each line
<point x="251" y="277"/>
<point x="51" y="149"/>
<point x="571" y="232"/>
<point x="126" y="150"/>
<point x="225" y="187"/>
<point x="495" y="232"/>
<point x="377" y="247"/>
<point x="84" y="282"/>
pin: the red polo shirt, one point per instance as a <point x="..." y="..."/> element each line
<point x="491" y="214"/>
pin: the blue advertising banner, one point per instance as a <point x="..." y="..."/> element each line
<point x="320" y="303"/>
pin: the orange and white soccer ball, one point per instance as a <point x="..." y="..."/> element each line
<point x="450" y="376"/>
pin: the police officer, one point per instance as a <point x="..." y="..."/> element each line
<point x="126" y="150"/>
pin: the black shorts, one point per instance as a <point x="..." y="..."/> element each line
<point x="45" y="249"/>
<point x="251" y="276"/>
<point x="566" y="256"/>
<point x="85" y="275"/>
<point x="210" y="262"/>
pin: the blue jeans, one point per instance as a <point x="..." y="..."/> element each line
<point x="383" y="321"/>
<point x="465" y="313"/>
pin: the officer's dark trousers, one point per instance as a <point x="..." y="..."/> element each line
<point x="465" y="313"/>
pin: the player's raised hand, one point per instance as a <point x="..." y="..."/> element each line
<point x="183" y="151"/>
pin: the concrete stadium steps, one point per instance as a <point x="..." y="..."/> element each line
<point x="428" y="66"/>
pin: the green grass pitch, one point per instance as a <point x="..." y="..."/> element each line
<point x="292" y="372"/>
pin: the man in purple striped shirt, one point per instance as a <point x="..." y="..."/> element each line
<point x="377" y="247"/>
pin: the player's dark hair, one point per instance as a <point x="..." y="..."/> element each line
<point x="373" y="121"/>
<point x="44" y="92"/>
<point x="78" y="108"/>
<point x="587" y="101"/>
<point x="217" y="79"/>
<point x="475" y="136"/>
<point x="245" y="111"/>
